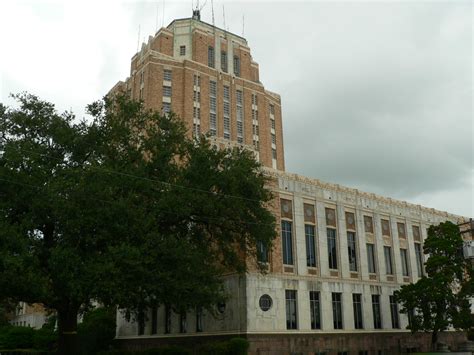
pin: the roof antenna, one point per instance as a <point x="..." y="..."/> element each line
<point x="163" y="18"/>
<point x="138" y="39"/>
<point x="243" y="25"/>
<point x="212" y="9"/>
<point x="223" y="15"/>
<point x="156" y="20"/>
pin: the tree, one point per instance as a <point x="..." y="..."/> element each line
<point x="440" y="299"/>
<point x="123" y="209"/>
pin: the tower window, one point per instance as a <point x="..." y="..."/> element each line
<point x="211" y="57"/>
<point x="236" y="66"/>
<point x="182" y="50"/>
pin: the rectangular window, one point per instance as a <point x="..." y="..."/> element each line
<point x="315" y="309"/>
<point x="310" y="245"/>
<point x="388" y="260"/>
<point x="368" y="224"/>
<point x="167" y="91"/>
<point x="210" y="57"/>
<point x="198" y="319"/>
<point x="273" y="138"/>
<point x="224" y="61"/>
<point x="236" y="65"/>
<point x="286" y="238"/>
<point x="357" y="303"/>
<point x="404" y="259"/>
<point x="274" y="153"/>
<point x="291" y="310"/>
<point x="262" y="252"/>
<point x="385" y="227"/>
<point x="376" y="311"/>
<point x="182" y="50"/>
<point x="212" y="108"/>
<point x="167" y="319"/>
<point x="272" y="123"/>
<point x="337" y="310"/>
<point x="332" y="248"/>
<point x="394" y="313"/>
<point x="154" y="320"/>
<point x="371" y="258"/>
<point x="166" y="107"/>
<point x="167" y="74"/>
<point x="416" y="234"/>
<point x="352" y="251"/>
<point x="401" y="230"/>
<point x="419" y="259"/>
<point x="182" y="322"/>
<point x="141" y="323"/>
<point x="226" y="112"/>
<point x="254" y="99"/>
<point x="272" y="109"/>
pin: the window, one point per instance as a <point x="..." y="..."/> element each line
<point x="254" y="99"/>
<point x="351" y="248"/>
<point x="332" y="251"/>
<point x="401" y="230"/>
<point x="198" y="319"/>
<point x="315" y="309"/>
<point x="167" y="91"/>
<point x="262" y="252"/>
<point x="273" y="138"/>
<point x="337" y="310"/>
<point x="388" y="260"/>
<point x="224" y="61"/>
<point x="310" y="245"/>
<point x="141" y="323"/>
<point x="197" y="80"/>
<point x="357" y="304"/>
<point x="371" y="258"/>
<point x="394" y="313"/>
<point x="226" y="112"/>
<point x="385" y="227"/>
<point x="274" y="153"/>
<point x="167" y="75"/>
<point x="182" y="50"/>
<point x="376" y="311"/>
<point x="166" y="107"/>
<point x="167" y="319"/>
<point x="368" y="224"/>
<point x="210" y="57"/>
<point x="154" y="320"/>
<point x="287" y="242"/>
<point x="272" y="109"/>
<point x="404" y="258"/>
<point x="291" y="311"/>
<point x="416" y="233"/>
<point x="240" y="116"/>
<point x="212" y="108"/>
<point x="419" y="259"/>
<point x="272" y="123"/>
<point x="236" y="65"/>
<point x="182" y="322"/>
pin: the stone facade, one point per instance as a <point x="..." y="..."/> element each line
<point x="340" y="253"/>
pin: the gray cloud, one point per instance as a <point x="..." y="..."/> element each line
<point x="375" y="95"/>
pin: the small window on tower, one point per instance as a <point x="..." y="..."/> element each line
<point x="182" y="50"/>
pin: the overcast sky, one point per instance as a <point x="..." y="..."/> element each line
<point x="376" y="95"/>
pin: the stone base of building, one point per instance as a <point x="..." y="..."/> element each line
<point x="370" y="343"/>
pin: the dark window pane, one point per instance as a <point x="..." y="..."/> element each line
<point x="337" y="310"/>
<point x="315" y="309"/>
<point x="376" y="311"/>
<point x="286" y="238"/>
<point x="357" y="303"/>
<point x="310" y="246"/>
<point x="352" y="252"/>
<point x="291" y="310"/>
<point x="332" y="248"/>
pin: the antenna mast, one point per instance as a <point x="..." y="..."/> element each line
<point x="223" y="15"/>
<point x="138" y="39"/>
<point x="156" y="20"/>
<point x="163" y="17"/>
<point x="243" y="25"/>
<point x="212" y="10"/>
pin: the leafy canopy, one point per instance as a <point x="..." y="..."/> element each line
<point x="123" y="208"/>
<point x="441" y="298"/>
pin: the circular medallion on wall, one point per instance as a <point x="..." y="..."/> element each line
<point x="265" y="303"/>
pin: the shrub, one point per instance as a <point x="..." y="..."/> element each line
<point x="470" y="334"/>
<point x="169" y="350"/>
<point x="17" y="338"/>
<point x="44" y="339"/>
<point x="97" y="330"/>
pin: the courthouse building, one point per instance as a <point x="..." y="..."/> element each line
<point x="340" y="252"/>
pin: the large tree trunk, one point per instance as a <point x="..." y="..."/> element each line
<point x="68" y="343"/>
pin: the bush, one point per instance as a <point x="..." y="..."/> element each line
<point x="17" y="338"/>
<point x="234" y="346"/>
<point x="470" y="334"/>
<point x="97" y="330"/>
<point x="44" y="339"/>
<point x="168" y="350"/>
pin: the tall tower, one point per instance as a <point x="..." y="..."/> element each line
<point x="207" y="76"/>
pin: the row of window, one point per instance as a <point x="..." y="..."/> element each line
<point x="352" y="255"/>
<point x="337" y="310"/>
<point x="211" y="61"/>
<point x="183" y="321"/>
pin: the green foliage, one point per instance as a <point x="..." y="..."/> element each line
<point x="97" y="330"/>
<point x="45" y="339"/>
<point x="100" y="210"/>
<point x="440" y="299"/>
<point x="16" y="338"/>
